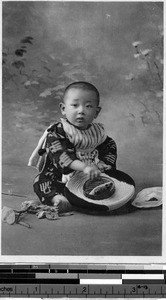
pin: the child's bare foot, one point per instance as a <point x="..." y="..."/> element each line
<point x="61" y="203"/>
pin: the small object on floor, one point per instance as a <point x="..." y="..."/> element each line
<point x="11" y="216"/>
<point x="8" y="215"/>
<point x="52" y="216"/>
<point x="48" y="214"/>
<point x="61" y="208"/>
<point x="148" y="198"/>
<point x="40" y="214"/>
<point x="24" y="224"/>
<point x="26" y="204"/>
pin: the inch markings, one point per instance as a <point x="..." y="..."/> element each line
<point x="68" y="290"/>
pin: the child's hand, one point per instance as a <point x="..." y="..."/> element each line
<point x="92" y="171"/>
<point x="102" y="166"/>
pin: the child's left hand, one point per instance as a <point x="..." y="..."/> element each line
<point x="102" y="166"/>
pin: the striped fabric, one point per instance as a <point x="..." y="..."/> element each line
<point x="85" y="139"/>
<point x="64" y="160"/>
<point x="55" y="146"/>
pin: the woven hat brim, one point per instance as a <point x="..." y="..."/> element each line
<point x="123" y="191"/>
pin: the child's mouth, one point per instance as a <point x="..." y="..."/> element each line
<point x="80" y="120"/>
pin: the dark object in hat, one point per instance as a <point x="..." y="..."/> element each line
<point x="123" y="193"/>
<point x="99" y="188"/>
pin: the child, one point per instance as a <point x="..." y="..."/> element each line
<point x="73" y="144"/>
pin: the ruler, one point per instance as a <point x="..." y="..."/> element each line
<point x="50" y="281"/>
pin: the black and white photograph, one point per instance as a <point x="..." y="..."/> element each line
<point x="82" y="131"/>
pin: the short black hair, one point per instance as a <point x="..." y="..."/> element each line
<point x="84" y="86"/>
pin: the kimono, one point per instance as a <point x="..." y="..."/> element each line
<point x="60" y="145"/>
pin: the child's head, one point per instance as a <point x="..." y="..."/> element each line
<point x="80" y="104"/>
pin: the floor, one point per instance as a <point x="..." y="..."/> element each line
<point x="130" y="232"/>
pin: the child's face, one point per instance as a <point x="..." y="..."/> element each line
<point x="80" y="107"/>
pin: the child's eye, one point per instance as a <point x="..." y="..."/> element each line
<point x="89" y="106"/>
<point x="74" y="105"/>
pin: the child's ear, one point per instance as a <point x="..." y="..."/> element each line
<point x="97" y="111"/>
<point x="62" y="108"/>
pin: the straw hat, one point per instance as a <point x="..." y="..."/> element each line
<point x="106" y="193"/>
<point x="148" y="198"/>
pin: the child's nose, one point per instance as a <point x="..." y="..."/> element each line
<point x="81" y="109"/>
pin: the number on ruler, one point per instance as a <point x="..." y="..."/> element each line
<point x="84" y="290"/>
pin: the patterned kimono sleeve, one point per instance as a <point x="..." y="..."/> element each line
<point x="108" y="152"/>
<point x="60" y="150"/>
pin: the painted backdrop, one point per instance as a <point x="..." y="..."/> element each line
<point x="116" y="46"/>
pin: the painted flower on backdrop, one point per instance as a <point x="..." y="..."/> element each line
<point x="137" y="43"/>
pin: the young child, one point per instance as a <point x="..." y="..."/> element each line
<point x="73" y="144"/>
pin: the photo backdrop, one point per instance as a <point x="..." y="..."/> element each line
<point x="117" y="46"/>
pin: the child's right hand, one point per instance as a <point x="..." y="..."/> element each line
<point x="92" y="171"/>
